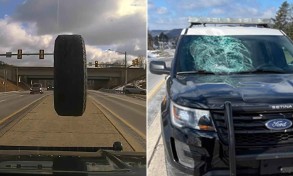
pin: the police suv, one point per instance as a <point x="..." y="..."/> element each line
<point x="228" y="108"/>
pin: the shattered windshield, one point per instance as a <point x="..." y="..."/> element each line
<point x="235" y="54"/>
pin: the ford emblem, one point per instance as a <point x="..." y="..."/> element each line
<point x="278" y="124"/>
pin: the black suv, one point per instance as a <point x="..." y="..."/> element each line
<point x="228" y="108"/>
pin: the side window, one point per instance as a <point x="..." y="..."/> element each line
<point x="288" y="56"/>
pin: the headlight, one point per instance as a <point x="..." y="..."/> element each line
<point x="192" y="118"/>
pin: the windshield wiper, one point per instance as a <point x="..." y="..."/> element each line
<point x="195" y="72"/>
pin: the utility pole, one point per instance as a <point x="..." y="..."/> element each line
<point x="5" y="79"/>
<point x="17" y="78"/>
<point x="125" y="69"/>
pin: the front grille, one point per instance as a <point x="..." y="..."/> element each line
<point x="250" y="129"/>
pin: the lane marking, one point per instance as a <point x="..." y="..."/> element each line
<point x="120" y="118"/>
<point x="110" y="95"/>
<point x="14" y="113"/>
<point x="155" y="89"/>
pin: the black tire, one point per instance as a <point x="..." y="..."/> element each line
<point x="127" y="92"/>
<point x="70" y="75"/>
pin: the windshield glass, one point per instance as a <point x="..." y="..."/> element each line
<point x="37" y="85"/>
<point x="235" y="54"/>
<point x="106" y="41"/>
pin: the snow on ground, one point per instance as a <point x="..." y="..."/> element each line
<point x="160" y="53"/>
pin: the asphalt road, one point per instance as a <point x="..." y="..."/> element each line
<point x="131" y="110"/>
<point x="11" y="102"/>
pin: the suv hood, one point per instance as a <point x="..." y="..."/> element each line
<point x="211" y="91"/>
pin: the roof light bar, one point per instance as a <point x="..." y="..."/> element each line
<point x="205" y="20"/>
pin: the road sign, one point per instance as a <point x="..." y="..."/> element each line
<point x="8" y="54"/>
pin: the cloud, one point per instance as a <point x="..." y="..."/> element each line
<point x="13" y="35"/>
<point x="191" y="4"/>
<point x="103" y="24"/>
<point x="99" y="22"/>
<point x="203" y="8"/>
<point x="217" y="11"/>
<point x="151" y="5"/>
<point x="269" y="13"/>
<point x="162" y="10"/>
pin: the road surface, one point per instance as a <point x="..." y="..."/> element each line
<point x="107" y="118"/>
<point x="10" y="102"/>
<point x="155" y="149"/>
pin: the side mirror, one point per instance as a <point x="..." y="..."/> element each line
<point x="159" y="68"/>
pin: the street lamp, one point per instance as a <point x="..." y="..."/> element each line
<point x="125" y="64"/>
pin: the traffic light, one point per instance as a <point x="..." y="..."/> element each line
<point x="41" y="54"/>
<point x="19" y="54"/>
<point x="96" y="63"/>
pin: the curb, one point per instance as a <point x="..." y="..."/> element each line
<point x="154" y="133"/>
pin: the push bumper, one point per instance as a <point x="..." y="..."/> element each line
<point x="196" y="153"/>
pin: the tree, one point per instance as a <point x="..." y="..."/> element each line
<point x="281" y="19"/>
<point x="156" y="40"/>
<point x="163" y="37"/>
<point x="141" y="61"/>
<point x="150" y="42"/>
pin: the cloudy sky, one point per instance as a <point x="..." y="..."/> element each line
<point x="170" y="14"/>
<point x="31" y="25"/>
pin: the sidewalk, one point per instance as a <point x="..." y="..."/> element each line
<point x="43" y="127"/>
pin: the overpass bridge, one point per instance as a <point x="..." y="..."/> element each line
<point x="97" y="77"/>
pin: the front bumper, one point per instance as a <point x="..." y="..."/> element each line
<point x="36" y="91"/>
<point x="195" y="152"/>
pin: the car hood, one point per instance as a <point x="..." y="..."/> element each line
<point x="273" y="91"/>
<point x="49" y="160"/>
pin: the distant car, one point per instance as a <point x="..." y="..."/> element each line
<point x="50" y="87"/>
<point x="36" y="88"/>
<point x="130" y="89"/>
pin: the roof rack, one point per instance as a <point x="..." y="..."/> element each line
<point x="259" y="22"/>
